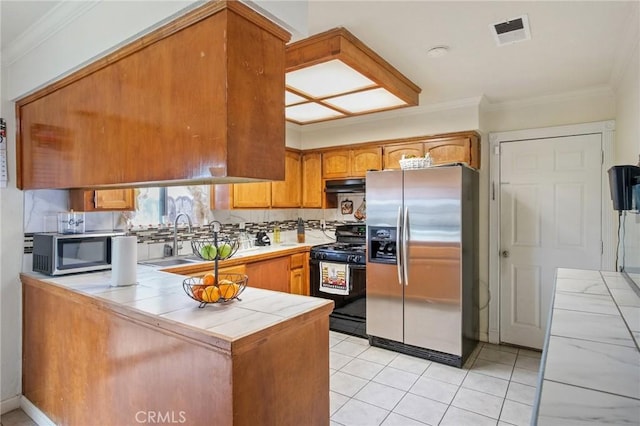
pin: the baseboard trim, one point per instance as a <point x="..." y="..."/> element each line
<point x="34" y="412"/>
<point x="10" y="404"/>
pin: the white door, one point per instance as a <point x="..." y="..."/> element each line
<point x="549" y="218"/>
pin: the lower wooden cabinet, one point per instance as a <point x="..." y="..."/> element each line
<point x="272" y="274"/>
<point x="288" y="273"/>
<point x="299" y="280"/>
<point x="102" y="200"/>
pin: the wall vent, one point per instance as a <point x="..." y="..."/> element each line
<point x="511" y="31"/>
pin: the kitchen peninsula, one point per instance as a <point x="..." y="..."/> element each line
<point x="96" y="354"/>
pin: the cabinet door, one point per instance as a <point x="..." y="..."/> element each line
<point x="248" y="195"/>
<point x="299" y="283"/>
<point x="272" y="274"/>
<point x="461" y="149"/>
<point x="364" y="159"/>
<point x="312" y="180"/>
<point x="102" y="200"/>
<point x="336" y="164"/>
<point x="392" y="154"/>
<point x="287" y="193"/>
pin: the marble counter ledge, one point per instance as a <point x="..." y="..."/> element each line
<point x="590" y="372"/>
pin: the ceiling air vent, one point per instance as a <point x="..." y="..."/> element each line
<point x="511" y="31"/>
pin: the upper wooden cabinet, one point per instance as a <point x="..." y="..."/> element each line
<point x="364" y="159"/>
<point x="455" y="149"/>
<point x="252" y="195"/>
<point x="288" y="193"/>
<point x="180" y="103"/>
<point x="102" y="200"/>
<point x="312" y="180"/>
<point x="355" y="162"/>
<point x="392" y="154"/>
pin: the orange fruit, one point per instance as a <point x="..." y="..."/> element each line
<point x="208" y="279"/>
<point x="197" y="291"/>
<point x="229" y="290"/>
<point x="211" y="294"/>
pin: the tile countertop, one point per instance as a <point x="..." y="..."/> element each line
<point x="590" y="370"/>
<point x="159" y="295"/>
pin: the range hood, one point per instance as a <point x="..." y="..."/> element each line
<point x="345" y="186"/>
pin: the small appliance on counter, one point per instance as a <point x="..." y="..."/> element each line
<point x="262" y="239"/>
<point x="59" y="254"/>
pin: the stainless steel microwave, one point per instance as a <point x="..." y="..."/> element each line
<point x="59" y="254"/>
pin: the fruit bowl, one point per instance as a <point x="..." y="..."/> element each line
<point x="219" y="248"/>
<point x="207" y="290"/>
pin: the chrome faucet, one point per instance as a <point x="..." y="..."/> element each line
<point x="174" y="249"/>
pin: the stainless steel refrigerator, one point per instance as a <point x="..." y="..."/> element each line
<point x="422" y="261"/>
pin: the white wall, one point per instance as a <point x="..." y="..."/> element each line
<point x="407" y="122"/>
<point x="627" y="149"/>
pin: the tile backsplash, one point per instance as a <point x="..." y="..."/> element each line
<point x="43" y="206"/>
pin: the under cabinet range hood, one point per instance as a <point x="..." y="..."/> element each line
<point x="345" y="186"/>
<point x="198" y="100"/>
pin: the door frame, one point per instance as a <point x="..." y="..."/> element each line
<point x="607" y="131"/>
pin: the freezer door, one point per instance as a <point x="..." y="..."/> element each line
<point x="432" y="291"/>
<point x="384" y="290"/>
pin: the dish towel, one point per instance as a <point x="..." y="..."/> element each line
<point x="334" y="278"/>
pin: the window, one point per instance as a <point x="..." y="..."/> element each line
<point x="157" y="206"/>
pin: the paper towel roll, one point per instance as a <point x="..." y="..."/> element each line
<point x="124" y="259"/>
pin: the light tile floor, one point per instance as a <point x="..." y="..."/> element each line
<point x="372" y="386"/>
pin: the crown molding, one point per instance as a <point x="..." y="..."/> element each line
<point x="53" y="21"/>
<point x="597" y="91"/>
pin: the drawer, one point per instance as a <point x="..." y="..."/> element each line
<point x="298" y="260"/>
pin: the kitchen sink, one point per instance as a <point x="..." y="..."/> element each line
<point x="173" y="262"/>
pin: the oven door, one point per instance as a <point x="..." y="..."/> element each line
<point x="357" y="283"/>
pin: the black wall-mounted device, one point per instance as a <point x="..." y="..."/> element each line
<point x="622" y="180"/>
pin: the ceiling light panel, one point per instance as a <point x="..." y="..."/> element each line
<point x="291" y="98"/>
<point x="305" y="113"/>
<point x="376" y="99"/>
<point x="335" y="68"/>
<point x="327" y="79"/>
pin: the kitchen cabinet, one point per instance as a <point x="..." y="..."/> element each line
<point x="364" y="159"/>
<point x="271" y="274"/>
<point x="102" y="200"/>
<point x="262" y="195"/>
<point x="461" y="147"/>
<point x="299" y="280"/>
<point x="392" y="154"/>
<point x="289" y="192"/>
<point x="252" y="195"/>
<point x="286" y="271"/>
<point x="454" y="149"/>
<point x="178" y="104"/>
<point x="312" y="180"/>
<point x="355" y="162"/>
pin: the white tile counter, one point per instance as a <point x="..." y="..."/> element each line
<point x="590" y="369"/>
<point x="161" y="294"/>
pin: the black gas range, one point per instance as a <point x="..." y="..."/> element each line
<point x="337" y="272"/>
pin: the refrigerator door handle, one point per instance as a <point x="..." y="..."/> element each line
<point x="405" y="245"/>
<point x="399" y="245"/>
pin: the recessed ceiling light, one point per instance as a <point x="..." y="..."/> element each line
<point x="438" y="51"/>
